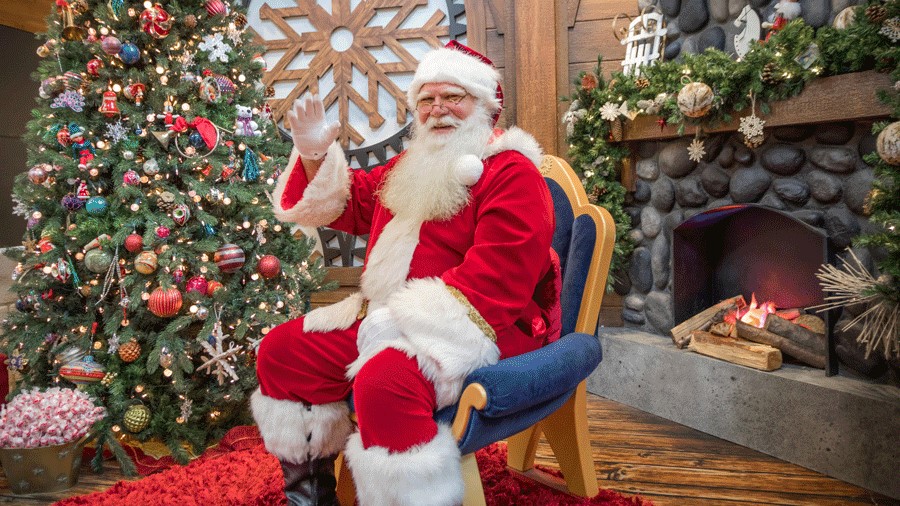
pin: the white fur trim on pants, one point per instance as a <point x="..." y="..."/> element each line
<point x="424" y="475"/>
<point x="294" y="433"/>
<point x="324" y="198"/>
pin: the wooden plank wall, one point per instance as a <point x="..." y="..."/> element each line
<point x="27" y="15"/>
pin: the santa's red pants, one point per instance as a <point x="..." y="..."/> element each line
<point x="394" y="402"/>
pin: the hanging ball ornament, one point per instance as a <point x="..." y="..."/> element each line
<point x="197" y="284"/>
<point x="196" y="140"/>
<point x="37" y="174"/>
<point x="93" y="66"/>
<point x="134" y="243"/>
<point x="229" y="258"/>
<point x="71" y="203"/>
<point x="136" y="418"/>
<point x="269" y="266"/>
<point x="216" y="8"/>
<point x="96" y="205"/>
<point x="888" y="144"/>
<point x="695" y="99"/>
<point x="129" y="54"/>
<point x="212" y="287"/>
<point x="202" y="313"/>
<point x="131" y="178"/>
<point x="165" y="303"/>
<point x="156" y="21"/>
<point x="130" y="351"/>
<point x="181" y="214"/>
<point x="151" y="167"/>
<point x="166" y="357"/>
<point x="146" y="262"/>
<point x="190" y="21"/>
<point x="162" y="232"/>
<point x="97" y="260"/>
<point x="178" y="276"/>
<point x="111" y="45"/>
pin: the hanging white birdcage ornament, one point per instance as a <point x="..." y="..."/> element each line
<point x="644" y="41"/>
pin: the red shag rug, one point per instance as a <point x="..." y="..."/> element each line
<point x="240" y="472"/>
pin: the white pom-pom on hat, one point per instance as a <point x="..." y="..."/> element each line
<point x="468" y="169"/>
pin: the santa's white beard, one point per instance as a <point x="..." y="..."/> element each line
<point x="424" y="185"/>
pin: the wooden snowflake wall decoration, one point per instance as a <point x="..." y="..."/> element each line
<point x="325" y="47"/>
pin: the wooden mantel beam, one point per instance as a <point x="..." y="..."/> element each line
<point x="846" y="97"/>
<point x="27" y="15"/>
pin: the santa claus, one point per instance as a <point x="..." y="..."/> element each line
<point x="458" y="274"/>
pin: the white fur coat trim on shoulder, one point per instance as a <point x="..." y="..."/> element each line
<point x="516" y="139"/>
<point x="425" y="475"/>
<point x="295" y="433"/>
<point x="325" y="196"/>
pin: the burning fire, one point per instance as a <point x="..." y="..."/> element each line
<point x="755" y="313"/>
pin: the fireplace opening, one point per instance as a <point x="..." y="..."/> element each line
<point x="745" y="249"/>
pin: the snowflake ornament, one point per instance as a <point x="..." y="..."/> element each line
<point x="187" y="408"/>
<point x="610" y="111"/>
<point x="751" y="126"/>
<point x="234" y="34"/>
<point x="187" y="60"/>
<point x="217" y="363"/>
<point x="696" y="150"/>
<point x="891" y="29"/>
<point x="116" y="132"/>
<point x="217" y="48"/>
<point x="112" y="344"/>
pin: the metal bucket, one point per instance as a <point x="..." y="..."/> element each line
<point x="42" y="469"/>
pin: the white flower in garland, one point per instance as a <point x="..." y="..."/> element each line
<point x="752" y="126"/>
<point x="891" y="29"/>
<point x="216" y="46"/>
<point x="610" y="111"/>
<point x="696" y="150"/>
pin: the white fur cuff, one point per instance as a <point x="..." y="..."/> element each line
<point x="324" y="198"/>
<point x="294" y="433"/>
<point x="438" y="331"/>
<point x="338" y="316"/>
<point x="516" y="139"/>
<point x="424" y="475"/>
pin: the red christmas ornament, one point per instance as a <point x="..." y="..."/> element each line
<point x="135" y="91"/>
<point x="216" y="8"/>
<point x="229" y="258"/>
<point x="134" y="243"/>
<point x="165" y="303"/>
<point x="197" y="284"/>
<point x="178" y="275"/>
<point x="131" y="178"/>
<point x="110" y="105"/>
<point x="212" y="287"/>
<point x="156" y="21"/>
<point x="162" y="232"/>
<point x="93" y="66"/>
<point x="269" y="266"/>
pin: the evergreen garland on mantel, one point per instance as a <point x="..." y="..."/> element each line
<point x="770" y="71"/>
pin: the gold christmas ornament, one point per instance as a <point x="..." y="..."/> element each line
<point x="888" y="144"/>
<point x="190" y="21"/>
<point x="844" y="18"/>
<point x="146" y="262"/>
<point x="130" y="351"/>
<point x="137" y="418"/>
<point x="695" y="99"/>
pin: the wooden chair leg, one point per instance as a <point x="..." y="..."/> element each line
<point x="346" y="491"/>
<point x="522" y="447"/>
<point x="567" y="432"/>
<point x="474" y="495"/>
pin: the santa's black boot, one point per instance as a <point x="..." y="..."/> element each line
<point x="311" y="483"/>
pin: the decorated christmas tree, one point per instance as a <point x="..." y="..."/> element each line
<point x="152" y="263"/>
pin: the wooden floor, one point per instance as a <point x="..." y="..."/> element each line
<point x="638" y="453"/>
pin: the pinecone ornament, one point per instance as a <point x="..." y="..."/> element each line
<point x="754" y="142"/>
<point x="616" y="130"/>
<point x="641" y="83"/>
<point x="270" y="91"/>
<point x="876" y="13"/>
<point x="166" y="201"/>
<point x="190" y="21"/>
<point x="770" y="74"/>
<point x="130" y="351"/>
<point x="240" y="21"/>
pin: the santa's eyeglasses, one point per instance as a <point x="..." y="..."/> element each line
<point x="447" y="102"/>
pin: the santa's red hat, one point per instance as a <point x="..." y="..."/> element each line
<point x="463" y="66"/>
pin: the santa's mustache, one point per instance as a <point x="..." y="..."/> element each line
<point x="441" y="122"/>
